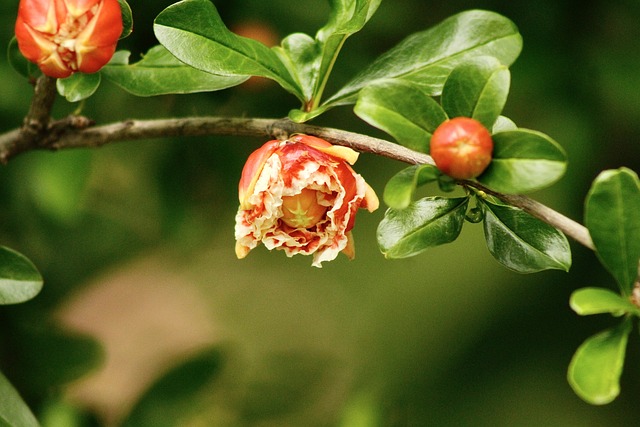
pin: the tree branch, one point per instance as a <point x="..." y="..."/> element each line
<point x="39" y="113"/>
<point x="571" y="228"/>
<point x="36" y="122"/>
<point x="74" y="132"/>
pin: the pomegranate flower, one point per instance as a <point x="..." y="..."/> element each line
<point x="301" y="196"/>
<point x="66" y="36"/>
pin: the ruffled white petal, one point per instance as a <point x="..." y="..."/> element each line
<point x="261" y="223"/>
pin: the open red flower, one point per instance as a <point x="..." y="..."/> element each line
<point x="301" y="196"/>
<point x="66" y="36"/>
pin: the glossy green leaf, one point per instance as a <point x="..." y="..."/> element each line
<point x="310" y="60"/>
<point x="595" y="369"/>
<point x="301" y="53"/>
<point x="161" y="73"/>
<point x="426" y="58"/>
<point x="612" y="216"/>
<point x="522" y="242"/>
<point x="127" y="19"/>
<point x="193" y="31"/>
<point x="78" y="86"/>
<point x="19" y="279"/>
<point x="13" y="411"/>
<point x="403" y="110"/>
<point x="19" y="63"/>
<point x="347" y="17"/>
<point x="524" y="161"/>
<point x="503" y="124"/>
<point x="398" y="193"/>
<point x="477" y="89"/>
<point x="171" y="398"/>
<point x="588" y="301"/>
<point x="425" y="223"/>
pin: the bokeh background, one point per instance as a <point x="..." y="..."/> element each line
<point x="135" y="241"/>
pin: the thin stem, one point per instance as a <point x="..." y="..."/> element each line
<point x="576" y="231"/>
<point x="39" y="114"/>
<point x="74" y="132"/>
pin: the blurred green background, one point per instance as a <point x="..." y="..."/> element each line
<point x="135" y="241"/>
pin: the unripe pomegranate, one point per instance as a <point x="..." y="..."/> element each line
<point x="461" y="148"/>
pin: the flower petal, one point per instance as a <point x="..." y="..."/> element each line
<point x="337" y="151"/>
<point x="298" y="174"/>
<point x="252" y="170"/>
<point x="371" y="201"/>
<point x="350" y="249"/>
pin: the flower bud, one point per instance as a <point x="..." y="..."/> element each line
<point x="66" y="36"/>
<point x="461" y="148"/>
<point x="301" y="196"/>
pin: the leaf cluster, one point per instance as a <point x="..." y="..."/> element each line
<point x="611" y="214"/>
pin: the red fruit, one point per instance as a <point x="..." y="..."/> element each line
<point x="461" y="148"/>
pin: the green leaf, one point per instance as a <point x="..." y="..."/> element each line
<point x="300" y="53"/>
<point x="612" y="215"/>
<point x="170" y="399"/>
<point x="522" y="242"/>
<point x="19" y="63"/>
<point x="347" y="18"/>
<point x="311" y="60"/>
<point x="161" y="73"/>
<point x="477" y="89"/>
<point x="19" y="279"/>
<point x="403" y="110"/>
<point x="13" y="411"/>
<point x="523" y="161"/>
<point x="503" y="124"/>
<point x="127" y="19"/>
<point x="399" y="191"/>
<point x="595" y="369"/>
<point x="193" y="31"/>
<point x="427" y="58"/>
<point x="51" y="357"/>
<point x="428" y="222"/>
<point x="78" y="86"/>
<point x="588" y="301"/>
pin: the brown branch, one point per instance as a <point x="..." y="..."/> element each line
<point x="576" y="231"/>
<point x="35" y="124"/>
<point x="39" y="114"/>
<point x="73" y="132"/>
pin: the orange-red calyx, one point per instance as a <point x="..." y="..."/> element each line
<point x="66" y="36"/>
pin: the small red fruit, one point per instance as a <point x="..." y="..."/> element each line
<point x="461" y="148"/>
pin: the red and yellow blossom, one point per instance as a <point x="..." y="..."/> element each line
<point x="301" y="196"/>
<point x="66" y="36"/>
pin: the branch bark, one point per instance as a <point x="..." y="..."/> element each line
<point x="75" y="132"/>
<point x="36" y="122"/>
